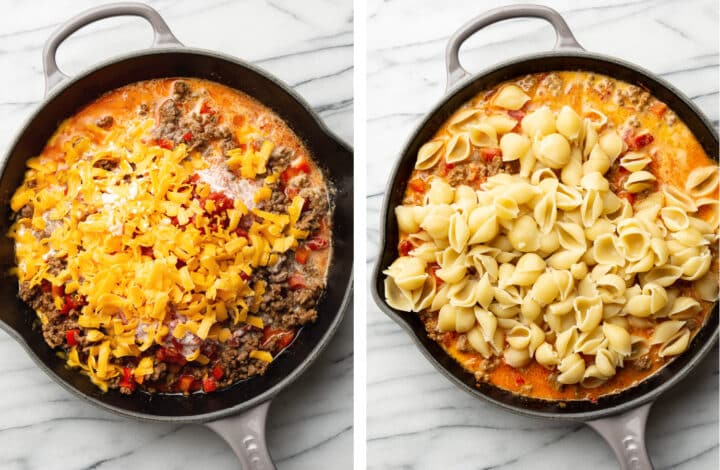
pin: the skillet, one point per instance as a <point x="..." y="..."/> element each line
<point x="619" y="418"/>
<point x="237" y="413"/>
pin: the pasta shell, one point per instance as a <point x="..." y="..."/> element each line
<point x="676" y="345"/>
<point x="639" y="181"/>
<point x="665" y="331"/>
<point x="483" y="224"/>
<point x="524" y="235"/>
<point x="440" y="192"/>
<point x="605" y="361"/>
<point x="593" y="378"/>
<point x="696" y="267"/>
<point x="596" y="118"/>
<point x="568" y="123"/>
<point x="483" y="135"/>
<point x="546" y="356"/>
<point x="572" y="369"/>
<point x="708" y="209"/>
<point x="674" y="218"/>
<point x="514" y="146"/>
<point x="527" y="270"/>
<point x="664" y="275"/>
<point x="595" y="181"/>
<point x="458" y="232"/>
<point x="429" y="154"/>
<point x="702" y="181"/>
<point x="540" y="122"/>
<point x="611" y="143"/>
<point x="501" y="122"/>
<point x="675" y="197"/>
<point x="635" y="161"/>
<point x="463" y="119"/>
<point x="619" y="339"/>
<point x="458" y="148"/>
<point x="545" y="213"/>
<point x="424" y="297"/>
<point x="591" y="138"/>
<point x="478" y="343"/>
<point x="395" y="297"/>
<point x="591" y="208"/>
<point x="405" y="216"/>
<point x="510" y="97"/>
<point x="516" y="357"/>
<point x="573" y="170"/>
<point x="588" y="312"/>
<point x="707" y="287"/>
<point x="553" y="150"/>
<point x="684" y="308"/>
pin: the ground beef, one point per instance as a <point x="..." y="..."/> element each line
<point x="278" y="201"/>
<point x="54" y="331"/>
<point x="56" y="265"/>
<point x="181" y="90"/>
<point x="280" y="159"/>
<point x="458" y="175"/>
<point x="462" y="344"/>
<point x="143" y="109"/>
<point x="26" y="212"/>
<point x="553" y="380"/>
<point x="105" y="122"/>
<point x="642" y="363"/>
<point x="107" y="165"/>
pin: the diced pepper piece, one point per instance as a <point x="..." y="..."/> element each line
<point x="209" y="385"/>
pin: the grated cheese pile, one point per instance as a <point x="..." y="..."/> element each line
<point x="104" y="223"/>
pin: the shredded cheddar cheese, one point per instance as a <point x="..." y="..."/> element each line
<point x="143" y="244"/>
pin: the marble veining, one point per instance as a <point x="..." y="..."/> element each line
<point x="308" y="46"/>
<point x="416" y="418"/>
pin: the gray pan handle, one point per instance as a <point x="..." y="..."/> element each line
<point x="626" y="435"/>
<point x="162" y="34"/>
<point x="246" y="435"/>
<point x="456" y="72"/>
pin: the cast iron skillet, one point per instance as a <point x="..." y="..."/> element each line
<point x="168" y="58"/>
<point x="619" y="418"/>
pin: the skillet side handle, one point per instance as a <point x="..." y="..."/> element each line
<point x="245" y="433"/>
<point x="162" y="34"/>
<point x="625" y="433"/>
<point x="564" y="37"/>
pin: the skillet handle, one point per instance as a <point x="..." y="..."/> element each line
<point x="456" y="72"/>
<point x="162" y="34"/>
<point x="246" y="435"/>
<point x="625" y="433"/>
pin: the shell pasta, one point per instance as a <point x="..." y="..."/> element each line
<point x="558" y="236"/>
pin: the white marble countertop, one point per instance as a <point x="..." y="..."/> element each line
<point x="416" y="418"/>
<point x="44" y="427"/>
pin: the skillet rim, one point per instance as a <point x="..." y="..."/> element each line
<point x="405" y="159"/>
<point x="332" y="328"/>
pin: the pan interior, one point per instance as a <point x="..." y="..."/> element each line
<point x="608" y="404"/>
<point x="333" y="157"/>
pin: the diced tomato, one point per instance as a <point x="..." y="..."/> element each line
<point x="317" y="243"/>
<point x="405" y="247"/>
<point x="417" y="185"/>
<point x="489" y="153"/>
<point x="45" y="286"/>
<point x="448" y="338"/>
<point x="170" y="355"/>
<point x="296" y="281"/>
<point x="516" y="114"/>
<point x="147" y="251"/>
<point x="71" y="337"/>
<point x="433" y="268"/>
<point x="209" y="385"/>
<point x="185" y="382"/>
<point x="218" y="372"/>
<point x="658" y="108"/>
<point x="206" y="109"/>
<point x="194" y="178"/>
<point x="244" y="276"/>
<point x="165" y="143"/>
<point x="289" y="173"/>
<point x="291" y="192"/>
<point x="238" y="120"/>
<point x="302" y="254"/>
<point x="284" y="337"/>
<point x="187" y="137"/>
<point x="127" y="379"/>
<point x="241" y="232"/>
<point x="70" y="303"/>
<point x="519" y="380"/>
<point x="636" y="142"/>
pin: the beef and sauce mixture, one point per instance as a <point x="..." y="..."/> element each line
<point x="172" y="236"/>
<point x="649" y="131"/>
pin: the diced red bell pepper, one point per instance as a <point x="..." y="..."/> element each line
<point x="294" y="170"/>
<point x="71" y="337"/>
<point x="218" y="372"/>
<point x="317" y="243"/>
<point x="658" y="108"/>
<point x="296" y="281"/>
<point x="244" y="276"/>
<point x="185" y="382"/>
<point x="206" y="109"/>
<point x="489" y="153"/>
<point x="405" y="247"/>
<point x="302" y="254"/>
<point x="637" y="141"/>
<point x="187" y="137"/>
<point x="209" y="385"/>
<point x="284" y="337"/>
<point x="69" y="304"/>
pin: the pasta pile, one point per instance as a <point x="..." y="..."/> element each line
<point x="144" y="246"/>
<point x="549" y="263"/>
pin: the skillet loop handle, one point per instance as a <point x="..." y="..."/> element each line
<point x="162" y="34"/>
<point x="625" y="433"/>
<point x="455" y="71"/>
<point x="245" y="433"/>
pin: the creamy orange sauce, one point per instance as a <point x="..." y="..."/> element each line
<point x="675" y="153"/>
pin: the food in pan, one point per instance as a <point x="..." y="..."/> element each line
<point x="558" y="236"/>
<point x="172" y="236"/>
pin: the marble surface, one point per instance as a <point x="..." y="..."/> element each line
<point x="310" y="48"/>
<point x="416" y="418"/>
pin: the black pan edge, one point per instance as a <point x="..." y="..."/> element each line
<point x="630" y="398"/>
<point x="335" y="154"/>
